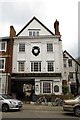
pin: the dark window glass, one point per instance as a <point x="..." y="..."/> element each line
<point x="56" y="88"/>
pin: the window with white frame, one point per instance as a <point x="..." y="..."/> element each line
<point x="21" y="47"/>
<point x="21" y="66"/>
<point x="2" y="63"/>
<point x="47" y="86"/>
<point x="2" y="46"/>
<point x="49" y="47"/>
<point x="50" y="66"/>
<point x="36" y="66"/>
<point x="33" y="32"/>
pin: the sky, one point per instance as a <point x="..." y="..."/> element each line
<point x="19" y="12"/>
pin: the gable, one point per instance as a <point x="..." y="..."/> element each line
<point x="70" y="57"/>
<point x="34" y="25"/>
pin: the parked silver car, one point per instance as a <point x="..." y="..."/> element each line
<point x="72" y="105"/>
<point x="8" y="103"/>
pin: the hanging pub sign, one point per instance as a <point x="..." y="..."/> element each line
<point x="35" y="50"/>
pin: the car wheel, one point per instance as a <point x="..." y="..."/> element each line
<point x="5" y="107"/>
<point x="77" y="111"/>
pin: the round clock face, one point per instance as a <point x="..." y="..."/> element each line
<point x="35" y="50"/>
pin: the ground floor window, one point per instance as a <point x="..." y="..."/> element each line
<point x="46" y="87"/>
<point x="49" y="87"/>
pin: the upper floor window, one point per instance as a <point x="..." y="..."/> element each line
<point x="33" y="33"/>
<point x="70" y="62"/>
<point x="70" y="74"/>
<point x="2" y="64"/>
<point x="21" y="66"/>
<point x="2" y="46"/>
<point x="50" y="66"/>
<point x="21" y="47"/>
<point x="35" y="66"/>
<point x="65" y="63"/>
<point x="49" y="47"/>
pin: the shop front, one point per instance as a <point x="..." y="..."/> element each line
<point x="20" y="86"/>
<point x="38" y="84"/>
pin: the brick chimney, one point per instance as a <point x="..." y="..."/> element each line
<point x="56" y="27"/>
<point x="12" y="31"/>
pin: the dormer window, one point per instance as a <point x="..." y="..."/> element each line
<point x="34" y="32"/>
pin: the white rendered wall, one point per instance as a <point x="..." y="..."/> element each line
<point x="43" y="56"/>
<point x="34" y="25"/>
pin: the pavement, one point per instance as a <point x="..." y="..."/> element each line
<point x="34" y="107"/>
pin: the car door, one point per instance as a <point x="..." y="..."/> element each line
<point x="79" y="100"/>
<point x="1" y="101"/>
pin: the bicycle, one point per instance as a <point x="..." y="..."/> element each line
<point x="57" y="102"/>
<point x="42" y="99"/>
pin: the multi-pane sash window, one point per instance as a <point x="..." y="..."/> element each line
<point x="21" y="47"/>
<point x="33" y="33"/>
<point x="46" y="87"/>
<point x="35" y="66"/>
<point x="70" y="62"/>
<point x="2" y="64"/>
<point x="2" y="46"/>
<point x="50" y="66"/>
<point x="21" y="66"/>
<point x="49" y="47"/>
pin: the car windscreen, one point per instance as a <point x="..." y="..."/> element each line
<point x="77" y="97"/>
<point x="7" y="97"/>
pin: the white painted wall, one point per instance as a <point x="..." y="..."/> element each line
<point x="34" y="25"/>
<point x="44" y="56"/>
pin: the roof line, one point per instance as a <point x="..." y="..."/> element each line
<point x="37" y="21"/>
<point x="71" y="57"/>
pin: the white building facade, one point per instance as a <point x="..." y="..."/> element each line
<point x="71" y="72"/>
<point x="37" y="59"/>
